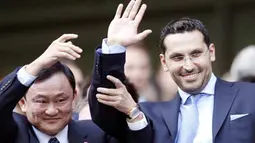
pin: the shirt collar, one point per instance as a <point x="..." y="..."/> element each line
<point x="44" y="138"/>
<point x="209" y="89"/>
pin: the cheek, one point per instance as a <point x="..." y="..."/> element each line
<point x="35" y="109"/>
<point x="67" y="108"/>
<point x="174" y="68"/>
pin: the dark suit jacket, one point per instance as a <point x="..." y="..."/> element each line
<point x="15" y="128"/>
<point x="231" y="98"/>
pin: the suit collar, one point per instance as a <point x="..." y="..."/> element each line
<point x="44" y="138"/>
<point x="224" y="96"/>
<point x="170" y="113"/>
<point x="74" y="133"/>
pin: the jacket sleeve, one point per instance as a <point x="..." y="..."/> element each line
<point x="11" y="91"/>
<point x="108" y="118"/>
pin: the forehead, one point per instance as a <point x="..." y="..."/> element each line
<point x="136" y="56"/>
<point x="55" y="85"/>
<point x="184" y="42"/>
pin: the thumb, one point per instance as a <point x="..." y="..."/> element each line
<point x="143" y="35"/>
<point x="116" y="81"/>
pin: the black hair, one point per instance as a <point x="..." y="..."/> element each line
<point x="180" y="26"/>
<point x="58" y="67"/>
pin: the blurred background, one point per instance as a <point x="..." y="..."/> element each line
<point x="27" y="27"/>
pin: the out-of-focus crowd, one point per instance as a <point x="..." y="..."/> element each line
<point x="151" y="85"/>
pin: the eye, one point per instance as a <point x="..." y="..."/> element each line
<point x="196" y="54"/>
<point x="41" y="101"/>
<point x="61" y="100"/>
<point x="177" y="58"/>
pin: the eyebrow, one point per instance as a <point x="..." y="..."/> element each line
<point x="193" y="50"/>
<point x="58" y="95"/>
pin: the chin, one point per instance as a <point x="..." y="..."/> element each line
<point x="51" y="129"/>
<point x="192" y="88"/>
<point x="52" y="132"/>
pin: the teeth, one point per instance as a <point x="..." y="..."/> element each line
<point x="190" y="76"/>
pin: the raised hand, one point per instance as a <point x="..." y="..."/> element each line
<point x="118" y="98"/>
<point x="59" y="49"/>
<point x="123" y="28"/>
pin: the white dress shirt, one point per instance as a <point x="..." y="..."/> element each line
<point x="205" y="110"/>
<point x="43" y="138"/>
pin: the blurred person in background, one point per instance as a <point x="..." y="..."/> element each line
<point x="83" y="105"/>
<point x="243" y="66"/>
<point x="139" y="72"/>
<point x="227" y="76"/>
<point x="166" y="84"/>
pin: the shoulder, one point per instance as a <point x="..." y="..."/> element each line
<point x="243" y="90"/>
<point x="240" y="85"/>
<point x="90" y="127"/>
<point x="154" y="109"/>
<point x="93" y="132"/>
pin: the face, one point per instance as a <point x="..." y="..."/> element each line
<point x="166" y="84"/>
<point x="137" y="67"/>
<point x="48" y="104"/>
<point x="188" y="60"/>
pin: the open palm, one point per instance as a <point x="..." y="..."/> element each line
<point x="123" y="29"/>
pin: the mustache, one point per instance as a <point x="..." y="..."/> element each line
<point x="191" y="72"/>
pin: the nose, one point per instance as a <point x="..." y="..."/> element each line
<point x="51" y="110"/>
<point x="188" y="65"/>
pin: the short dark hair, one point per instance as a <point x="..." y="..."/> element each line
<point x="180" y="26"/>
<point x="58" y="67"/>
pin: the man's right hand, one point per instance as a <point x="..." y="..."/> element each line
<point x="59" y="49"/>
<point x="123" y="28"/>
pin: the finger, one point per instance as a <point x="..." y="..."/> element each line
<point x="108" y="91"/>
<point x="109" y="103"/>
<point x="119" y="11"/>
<point x="143" y="35"/>
<point x="116" y="81"/>
<point x="65" y="37"/>
<point x="69" y="45"/>
<point x="107" y="97"/>
<point x="69" y="51"/>
<point x="135" y="9"/>
<point x="140" y="14"/>
<point x="69" y="42"/>
<point x="64" y="55"/>
<point x="128" y="9"/>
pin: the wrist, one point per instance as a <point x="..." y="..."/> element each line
<point x="111" y="42"/>
<point x="133" y="112"/>
<point x="136" y="118"/>
<point x="33" y="68"/>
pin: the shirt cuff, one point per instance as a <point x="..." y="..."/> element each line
<point x="112" y="49"/>
<point x="25" y="78"/>
<point x="139" y="125"/>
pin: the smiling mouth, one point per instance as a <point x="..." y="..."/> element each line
<point x="52" y="119"/>
<point x="190" y="77"/>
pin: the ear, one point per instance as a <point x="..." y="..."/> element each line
<point x="212" y="52"/>
<point x="23" y="104"/>
<point x="163" y="62"/>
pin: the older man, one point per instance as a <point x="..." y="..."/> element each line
<point x="46" y="91"/>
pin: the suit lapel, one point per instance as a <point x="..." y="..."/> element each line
<point x="74" y="133"/>
<point x="223" y="99"/>
<point x="32" y="135"/>
<point x="170" y="113"/>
